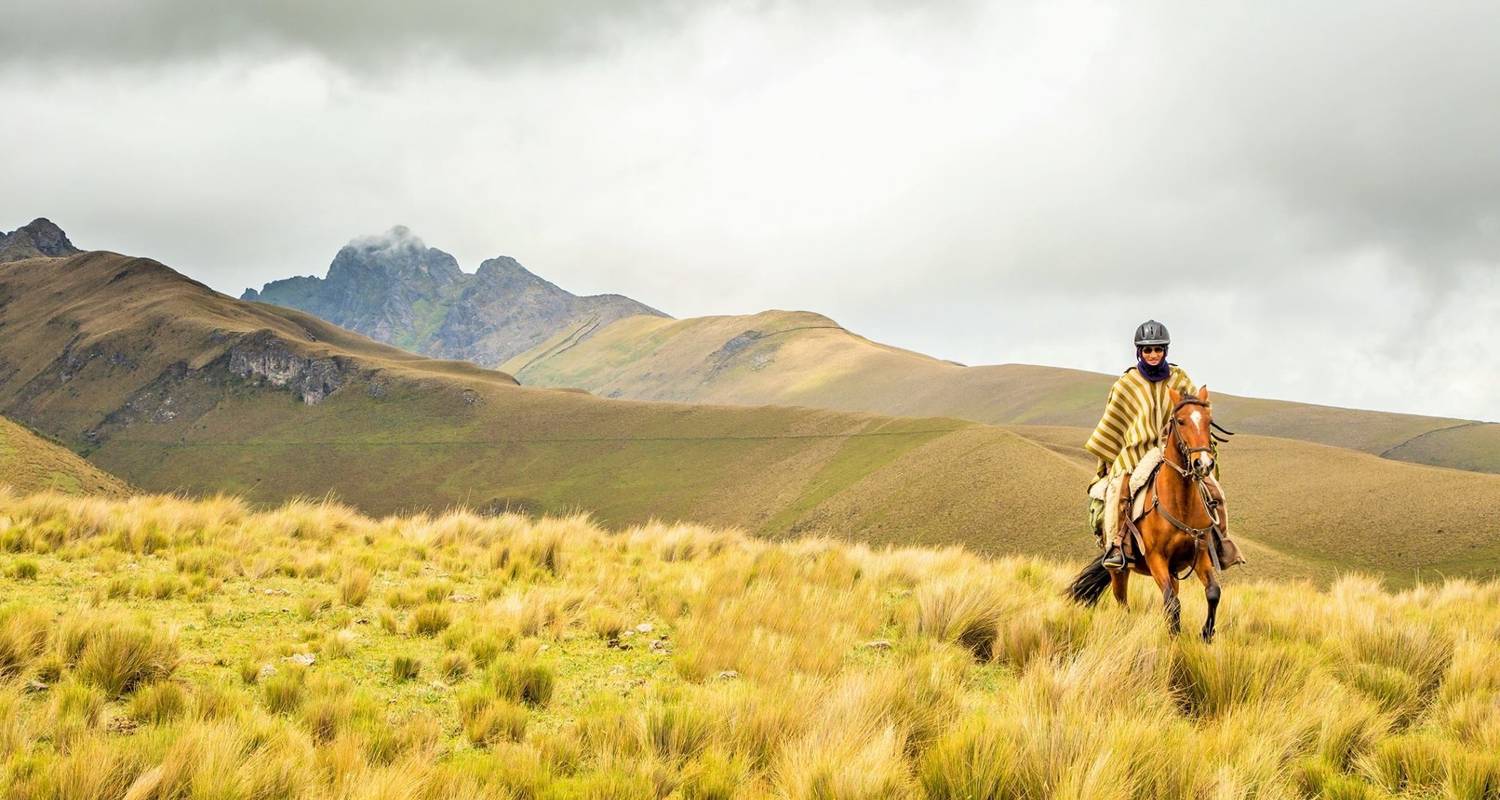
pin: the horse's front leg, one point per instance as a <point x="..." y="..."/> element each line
<point x="1204" y="566"/>
<point x="1162" y="572"/>
<point x="1119" y="581"/>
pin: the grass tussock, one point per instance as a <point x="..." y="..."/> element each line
<point x="164" y="648"/>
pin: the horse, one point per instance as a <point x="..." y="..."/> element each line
<point x="1177" y="532"/>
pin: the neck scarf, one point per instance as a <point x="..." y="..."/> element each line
<point x="1156" y="373"/>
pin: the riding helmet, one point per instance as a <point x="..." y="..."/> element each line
<point x="1152" y="332"/>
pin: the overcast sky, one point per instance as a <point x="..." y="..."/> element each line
<point x="1307" y="194"/>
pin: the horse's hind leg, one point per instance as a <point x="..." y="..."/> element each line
<point x="1204" y="566"/>
<point x="1162" y="572"/>
<point x="1119" y="581"/>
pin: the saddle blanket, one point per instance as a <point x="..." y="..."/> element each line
<point x="1104" y="491"/>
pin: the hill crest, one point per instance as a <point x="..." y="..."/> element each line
<point x="796" y="358"/>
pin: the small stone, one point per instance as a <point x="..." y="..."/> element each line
<point x="121" y="725"/>
<point x="644" y="627"/>
<point x="660" y="646"/>
<point x="877" y="644"/>
<point x="728" y="675"/>
<point x="305" y="659"/>
<point x="463" y="598"/>
<point x="266" y="671"/>
<point x="618" y="669"/>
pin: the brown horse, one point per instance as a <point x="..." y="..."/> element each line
<point x="1177" y="532"/>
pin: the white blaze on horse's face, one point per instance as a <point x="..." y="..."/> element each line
<point x="1203" y="461"/>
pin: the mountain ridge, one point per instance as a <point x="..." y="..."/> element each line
<point x="393" y="288"/>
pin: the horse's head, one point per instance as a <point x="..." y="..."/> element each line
<point x="1188" y="428"/>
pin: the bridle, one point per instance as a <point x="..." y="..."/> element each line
<point x="1171" y="431"/>
<point x="1194" y="474"/>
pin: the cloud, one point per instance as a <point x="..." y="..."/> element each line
<point x="1301" y="195"/>
<point x="360" y="35"/>
<point x="357" y="33"/>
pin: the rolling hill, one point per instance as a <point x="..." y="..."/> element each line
<point x="29" y="463"/>
<point x="806" y="359"/>
<point x="175" y="387"/>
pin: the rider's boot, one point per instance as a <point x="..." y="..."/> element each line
<point x="1114" y="557"/>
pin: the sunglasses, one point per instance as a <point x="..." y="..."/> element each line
<point x="1145" y="350"/>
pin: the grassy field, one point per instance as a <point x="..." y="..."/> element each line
<point x="159" y="648"/>
<point x="801" y="358"/>
<point x="29" y="463"/>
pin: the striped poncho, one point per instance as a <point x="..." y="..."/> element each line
<point x="1133" y="418"/>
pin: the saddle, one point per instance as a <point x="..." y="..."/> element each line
<point x="1225" y="553"/>
<point x="1140" y="478"/>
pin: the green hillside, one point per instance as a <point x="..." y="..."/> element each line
<point x="29" y="463"/>
<point x="174" y="387"/>
<point x="800" y="358"/>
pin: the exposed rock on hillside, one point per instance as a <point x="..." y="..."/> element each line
<point x="263" y="357"/>
<point x="395" y="289"/>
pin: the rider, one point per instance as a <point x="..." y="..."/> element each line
<point x="1134" y="416"/>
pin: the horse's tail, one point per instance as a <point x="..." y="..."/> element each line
<point x="1090" y="583"/>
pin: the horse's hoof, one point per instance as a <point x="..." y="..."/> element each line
<point x="1208" y="637"/>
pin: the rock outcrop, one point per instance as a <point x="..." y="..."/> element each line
<point x="262" y="357"/>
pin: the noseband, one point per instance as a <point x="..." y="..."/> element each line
<point x="1193" y="472"/>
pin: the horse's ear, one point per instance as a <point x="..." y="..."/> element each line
<point x="1175" y="395"/>
<point x="1203" y="393"/>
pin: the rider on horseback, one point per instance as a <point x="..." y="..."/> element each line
<point x="1138" y="407"/>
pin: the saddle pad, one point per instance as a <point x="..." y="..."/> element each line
<point x="1139" y="477"/>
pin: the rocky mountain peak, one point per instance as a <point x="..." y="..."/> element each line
<point x="394" y="288"/>
<point x="397" y="254"/>
<point x="40" y="237"/>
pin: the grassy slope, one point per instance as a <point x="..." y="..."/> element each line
<point x="792" y="670"/>
<point x="29" y="463"/>
<point x="1323" y="509"/>
<point x="807" y="359"/>
<point x="85" y="334"/>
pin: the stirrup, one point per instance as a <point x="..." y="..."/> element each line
<point x="1114" y="558"/>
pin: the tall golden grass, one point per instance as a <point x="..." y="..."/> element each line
<point x="554" y="659"/>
